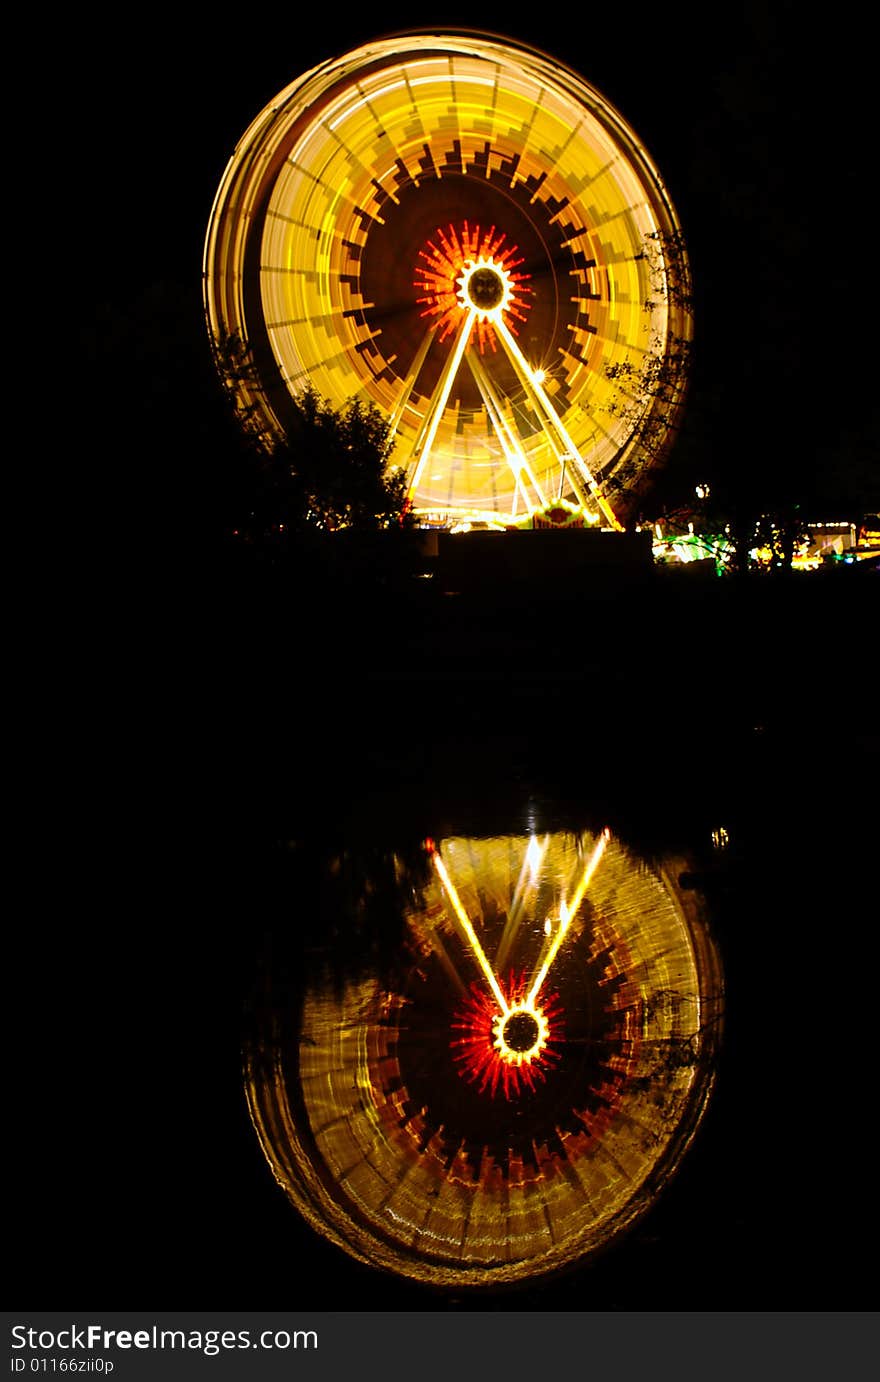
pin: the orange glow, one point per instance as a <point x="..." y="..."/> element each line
<point x="447" y="266"/>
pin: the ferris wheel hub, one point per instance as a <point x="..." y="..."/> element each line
<point x="484" y="287"/>
<point x="521" y="1031"/>
<point x="521" y="1034"/>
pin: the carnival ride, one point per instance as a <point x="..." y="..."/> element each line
<point x="462" y="232"/>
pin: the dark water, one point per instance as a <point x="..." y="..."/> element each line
<point x="256" y="733"/>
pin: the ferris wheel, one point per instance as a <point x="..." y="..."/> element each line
<point x="504" y="1084"/>
<point x="462" y="232"/>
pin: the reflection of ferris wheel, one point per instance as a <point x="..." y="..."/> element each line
<point x="465" y="234"/>
<point x="509" y="1085"/>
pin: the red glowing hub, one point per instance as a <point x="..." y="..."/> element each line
<point x="509" y="1051"/>
<point x="470" y="254"/>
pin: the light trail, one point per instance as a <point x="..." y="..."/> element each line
<point x="410" y="381"/>
<point x="526" y="886"/>
<point x="464" y="919"/>
<point x="513" y="453"/>
<point x="551" y="417"/>
<point x="438" y="402"/>
<point x="567" y="911"/>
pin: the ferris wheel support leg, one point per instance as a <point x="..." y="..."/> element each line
<point x="514" y="455"/>
<point x="425" y="440"/>
<point x="550" y="417"/>
<point x="410" y="382"/>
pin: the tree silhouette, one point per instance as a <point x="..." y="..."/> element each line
<point x="329" y="470"/>
<point x="333" y="468"/>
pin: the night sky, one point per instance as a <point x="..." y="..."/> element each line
<point x="761" y="122"/>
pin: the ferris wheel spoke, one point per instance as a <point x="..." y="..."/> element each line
<point x="425" y="440"/>
<point x="513" y="453"/>
<point x="552" y="434"/>
<point x="568" y="910"/>
<point x="544" y="407"/>
<point x="467" y="927"/>
<point x="410" y="382"/>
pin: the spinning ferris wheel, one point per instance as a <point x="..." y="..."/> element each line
<point x="504" y="1084"/>
<point x="462" y="232"/>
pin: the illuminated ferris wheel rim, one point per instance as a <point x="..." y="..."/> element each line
<point x="296" y="232"/>
<point x="313" y="89"/>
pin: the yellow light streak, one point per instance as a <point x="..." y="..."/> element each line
<point x="473" y="941"/>
<point x="526" y="885"/>
<point x="513" y="453"/>
<point x="568" y="910"/>
<point x="533" y="857"/>
<point x="532" y="385"/>
<point x="372" y="97"/>
<point x="438" y="402"/>
<point x="409" y="383"/>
